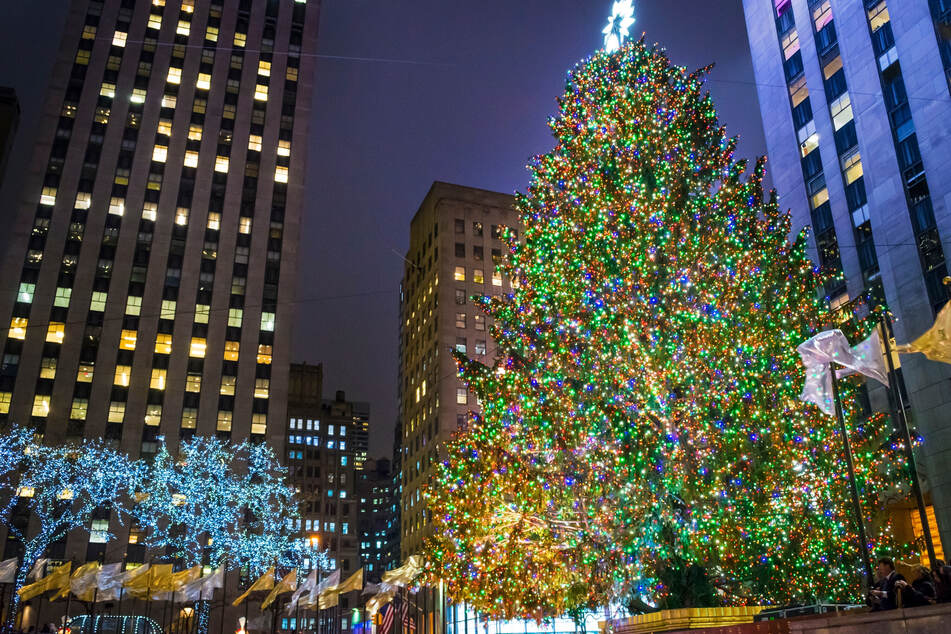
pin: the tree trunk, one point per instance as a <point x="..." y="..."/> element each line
<point x="202" y="613"/>
<point x="13" y="607"/>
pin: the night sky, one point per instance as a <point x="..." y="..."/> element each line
<point x="409" y="92"/>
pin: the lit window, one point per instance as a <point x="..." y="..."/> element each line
<point x="221" y="164"/>
<point x="480" y="346"/>
<point x="62" y="297"/>
<point x="227" y="384"/>
<point x="790" y="43"/>
<point x="460" y="274"/>
<point x="280" y="174"/>
<point x="235" y="316"/>
<point x="478" y="276"/>
<point x="25" y="492"/>
<point x="188" y="6"/>
<point x="85" y="373"/>
<point x="203" y="82"/>
<point x="99" y="531"/>
<point x="878" y="16"/>
<point x="224" y="420"/>
<point x="119" y="38"/>
<point x="5" y="399"/>
<point x="810" y="144"/>
<point x="169" y="101"/>
<point x="254" y="143"/>
<point x="267" y="322"/>
<point x="262" y="388"/>
<point x="98" y="301"/>
<point x="163" y="343"/>
<point x="211" y="34"/>
<point x="25" y="293"/>
<point x="133" y="305"/>
<point x="138" y="95"/>
<point x="197" y="347"/>
<point x="283" y="148"/>
<point x="157" y="382"/>
<point x="264" y="354"/>
<point x="181" y="216"/>
<point x="116" y="411"/>
<point x="174" y="75"/>
<point x="214" y="220"/>
<point x="240" y="39"/>
<point x="107" y="90"/>
<point x="153" y="414"/>
<point x="822" y="15"/>
<point x="82" y="58"/>
<point x="841" y="110"/>
<point x="48" y="368"/>
<point x="832" y="67"/>
<point x="232" y="349"/>
<point x="56" y="332"/>
<point x="159" y="153"/>
<point x="819" y="197"/>
<point x="194" y="132"/>
<point x="155" y="22"/>
<point x="852" y="168"/>
<point x="193" y="383"/>
<point x="184" y="27"/>
<point x="202" y="312"/>
<point x="41" y="405"/>
<point x="462" y="397"/>
<point x="496" y="278"/>
<point x="123" y="372"/>
<point x="79" y="409"/>
<point x="191" y="158"/>
<point x="264" y="68"/>
<point x="89" y="32"/>
<point x="244" y="224"/>
<point x="127" y="339"/>
<point x="460" y="320"/>
<point x="168" y="309"/>
<point x="798" y="91"/>
<point x="480" y="322"/>
<point x="291" y="73"/>
<point x="117" y="206"/>
<point x="48" y="196"/>
<point x="83" y="200"/>
<point x="260" y="92"/>
<point x="189" y="418"/>
<point x="258" y="423"/>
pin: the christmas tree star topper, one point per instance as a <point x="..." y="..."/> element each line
<point x="619" y="23"/>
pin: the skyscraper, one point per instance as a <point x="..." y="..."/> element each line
<point x="454" y="247"/>
<point x="151" y="274"/>
<point x="855" y="105"/>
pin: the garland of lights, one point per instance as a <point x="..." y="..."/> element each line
<point x="642" y="417"/>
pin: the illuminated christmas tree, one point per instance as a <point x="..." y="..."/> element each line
<point x="641" y="424"/>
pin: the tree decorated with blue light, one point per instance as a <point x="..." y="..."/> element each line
<point x="55" y="489"/>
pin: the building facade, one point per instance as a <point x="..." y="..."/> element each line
<point x="454" y="246"/>
<point x="855" y="105"/>
<point x="379" y="525"/>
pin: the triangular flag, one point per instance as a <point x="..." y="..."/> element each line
<point x="287" y="584"/>
<point x="8" y="570"/>
<point x="935" y="343"/>
<point x="264" y="582"/>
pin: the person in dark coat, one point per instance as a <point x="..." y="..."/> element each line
<point x="919" y="592"/>
<point x="885" y="594"/>
<point x="942" y="581"/>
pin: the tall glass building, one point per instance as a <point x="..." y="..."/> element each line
<point x="856" y="107"/>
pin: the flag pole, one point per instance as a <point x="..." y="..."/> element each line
<point x="853" y="487"/>
<point x="902" y="421"/>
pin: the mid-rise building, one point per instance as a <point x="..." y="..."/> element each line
<point x="454" y="250"/>
<point x="855" y="105"/>
<point x="9" y="122"/>
<point x="379" y="526"/>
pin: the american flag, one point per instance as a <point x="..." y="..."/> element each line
<point x="386" y="624"/>
<point x="409" y="623"/>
